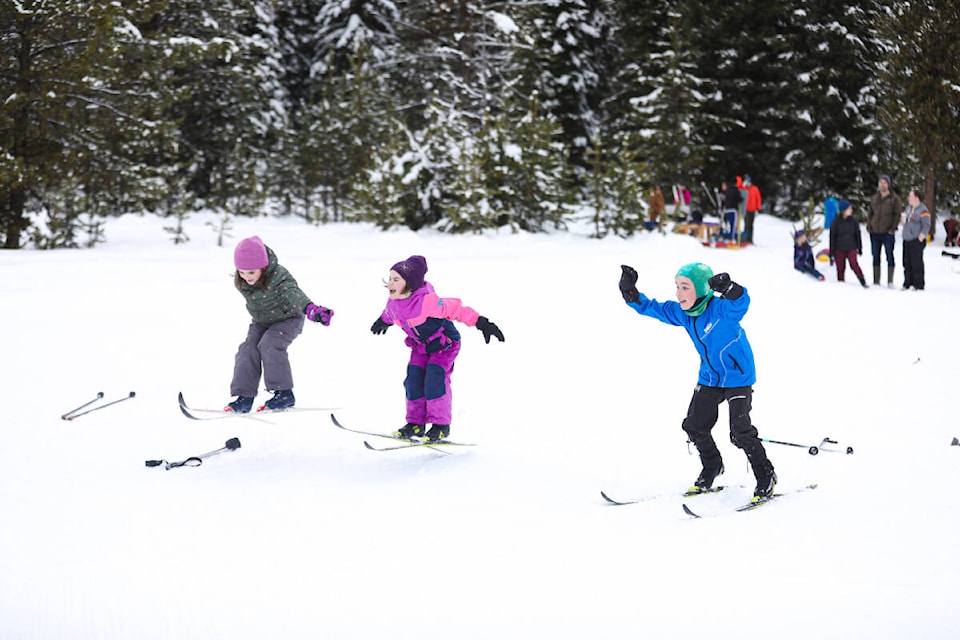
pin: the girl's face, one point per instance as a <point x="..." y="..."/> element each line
<point x="913" y="199"/>
<point x="250" y="277"/>
<point x="397" y="286"/>
<point x="686" y="292"/>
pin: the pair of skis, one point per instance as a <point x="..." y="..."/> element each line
<point x="436" y="445"/>
<point x="754" y="503"/>
<point x="82" y="410"/>
<point x="218" y="414"/>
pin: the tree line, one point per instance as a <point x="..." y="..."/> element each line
<point x="462" y="115"/>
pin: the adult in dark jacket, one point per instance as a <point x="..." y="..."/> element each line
<point x="885" y="210"/>
<point x="845" y="242"/>
<point x="731" y="206"/>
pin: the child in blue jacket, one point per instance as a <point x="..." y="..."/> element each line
<point x="803" y="256"/>
<point x="726" y="365"/>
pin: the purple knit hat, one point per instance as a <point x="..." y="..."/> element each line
<point x="250" y="254"/>
<point x="413" y="269"/>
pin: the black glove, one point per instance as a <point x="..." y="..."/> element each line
<point x="433" y="347"/>
<point x="722" y="284"/>
<point x="489" y="329"/>
<point x="628" y="284"/>
<point x="379" y="327"/>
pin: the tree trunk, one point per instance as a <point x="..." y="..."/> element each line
<point x="928" y="195"/>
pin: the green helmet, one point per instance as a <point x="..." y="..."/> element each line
<point x="699" y="274"/>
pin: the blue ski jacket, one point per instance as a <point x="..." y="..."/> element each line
<point x="726" y="359"/>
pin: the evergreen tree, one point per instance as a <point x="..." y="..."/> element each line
<point x="221" y="76"/>
<point x="665" y="106"/>
<point x="569" y="61"/>
<point x="832" y="138"/>
<point x="921" y="107"/>
<point x="80" y="112"/>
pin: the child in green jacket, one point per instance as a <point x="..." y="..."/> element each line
<point x="277" y="307"/>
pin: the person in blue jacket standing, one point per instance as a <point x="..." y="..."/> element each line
<point x="727" y="371"/>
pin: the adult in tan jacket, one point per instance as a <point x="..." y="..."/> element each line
<point x="885" y="210"/>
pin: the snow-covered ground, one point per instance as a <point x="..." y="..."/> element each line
<point x="305" y="534"/>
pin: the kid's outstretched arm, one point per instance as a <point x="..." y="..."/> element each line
<point x="379" y="327"/>
<point x="628" y="284"/>
<point x="316" y="313"/>
<point x="722" y="284"/>
<point x="489" y="329"/>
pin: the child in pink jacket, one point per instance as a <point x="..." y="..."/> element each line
<point x="434" y="343"/>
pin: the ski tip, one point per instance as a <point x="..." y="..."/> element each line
<point x="369" y="446"/>
<point x="690" y="513"/>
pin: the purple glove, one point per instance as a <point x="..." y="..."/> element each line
<point x="319" y="314"/>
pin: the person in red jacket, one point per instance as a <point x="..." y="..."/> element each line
<point x="753" y="206"/>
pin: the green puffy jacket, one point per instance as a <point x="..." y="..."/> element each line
<point x="281" y="299"/>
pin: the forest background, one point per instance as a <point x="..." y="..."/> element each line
<point x="463" y="115"/>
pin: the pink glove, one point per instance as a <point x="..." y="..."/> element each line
<point x="319" y="314"/>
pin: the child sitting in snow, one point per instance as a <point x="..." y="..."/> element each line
<point x="726" y="365"/>
<point x="803" y="256"/>
<point x="434" y="344"/>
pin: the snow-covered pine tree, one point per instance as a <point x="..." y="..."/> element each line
<point x="921" y="107"/>
<point x="81" y="111"/>
<point x="532" y="177"/>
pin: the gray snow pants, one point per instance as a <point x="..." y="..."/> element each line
<point x="265" y="349"/>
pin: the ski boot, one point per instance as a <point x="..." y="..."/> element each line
<point x="438" y="432"/>
<point x="242" y="404"/>
<point x="704" y="482"/>
<point x="409" y="431"/>
<point x="766" y="482"/>
<point x="281" y="400"/>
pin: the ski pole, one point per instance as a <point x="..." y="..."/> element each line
<point x="195" y="461"/>
<point x="103" y="406"/>
<point x="829" y="441"/>
<point x="811" y="449"/>
<point x="66" y="416"/>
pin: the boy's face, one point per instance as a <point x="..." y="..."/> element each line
<point x="396" y="286"/>
<point x="250" y="276"/>
<point x="686" y="292"/>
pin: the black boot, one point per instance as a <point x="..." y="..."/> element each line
<point x="766" y="481"/>
<point x="438" y="432"/>
<point x="410" y="430"/>
<point x="712" y="468"/>
<point x="863" y="282"/>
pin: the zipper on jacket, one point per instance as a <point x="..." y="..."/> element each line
<point x="706" y="354"/>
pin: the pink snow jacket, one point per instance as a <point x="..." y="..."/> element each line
<point x="426" y="317"/>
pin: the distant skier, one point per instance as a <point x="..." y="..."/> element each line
<point x="434" y="344"/>
<point x="727" y="370"/>
<point x="277" y="306"/>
